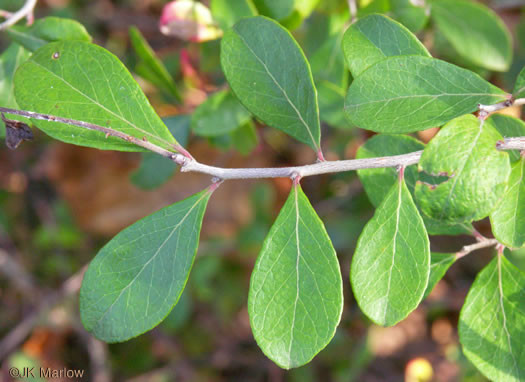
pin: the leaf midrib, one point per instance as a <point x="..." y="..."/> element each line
<point x="169" y="144"/>
<point x="316" y="145"/>
<point x="150" y="260"/>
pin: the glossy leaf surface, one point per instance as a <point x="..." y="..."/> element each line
<point x="475" y="31"/>
<point x="470" y="173"/>
<point x="392" y="257"/>
<point x="269" y="74"/>
<point x="376" y="37"/>
<point x="296" y="295"/>
<point x="492" y="322"/>
<point x="46" y="30"/>
<point x="411" y="93"/>
<point x="137" y="278"/>
<point x="85" y="82"/>
<point x="508" y="218"/>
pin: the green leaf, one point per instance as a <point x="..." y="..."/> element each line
<point x="331" y="104"/>
<point x="150" y="67"/>
<point x="155" y="170"/>
<point x="137" y="278"/>
<point x="475" y="31"/>
<point x="375" y="38"/>
<point x="378" y="182"/>
<point x="414" y="17"/>
<point x="411" y="93"/>
<point x="227" y="12"/>
<point x="244" y="138"/>
<point x="508" y="218"/>
<point x="392" y="257"/>
<point x="220" y="114"/>
<point x="373" y="6"/>
<point x="474" y="173"/>
<point x="439" y="265"/>
<point x="82" y="81"/>
<point x="268" y="72"/>
<point x="328" y="62"/>
<point x="296" y="292"/>
<point x="275" y="9"/>
<point x="519" y="86"/>
<point x="492" y="325"/>
<point x="509" y="126"/>
<point x="46" y="30"/>
<point x="10" y="60"/>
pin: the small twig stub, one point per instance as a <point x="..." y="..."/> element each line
<point x="16" y="132"/>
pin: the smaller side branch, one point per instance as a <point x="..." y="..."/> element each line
<point x="486" y="110"/>
<point x="472" y="247"/>
<point x="25" y="11"/>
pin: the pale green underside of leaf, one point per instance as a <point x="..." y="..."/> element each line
<point x="391" y="264"/>
<point x="411" y="93"/>
<point x="48" y="29"/>
<point x="439" y="265"/>
<point x="465" y="151"/>
<point x="269" y="74"/>
<point x="508" y="219"/>
<point x="476" y="33"/>
<point x="378" y="181"/>
<point x="492" y="322"/>
<point x="509" y="126"/>
<point x="376" y="37"/>
<point x="87" y="83"/>
<point x="10" y="60"/>
<point x="137" y="278"/>
<point x="296" y="295"/>
<point x="220" y="114"/>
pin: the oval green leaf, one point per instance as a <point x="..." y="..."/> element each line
<point x="46" y="30"/>
<point x="220" y="114"/>
<point x="376" y="37"/>
<point x="414" y="17"/>
<point x="411" y="93"/>
<point x="137" y="278"/>
<point x="269" y="74"/>
<point x="508" y="219"/>
<point x="477" y="33"/>
<point x="296" y="292"/>
<point x="470" y="173"/>
<point x="392" y="257"/>
<point x="82" y="81"/>
<point x="492" y="322"/>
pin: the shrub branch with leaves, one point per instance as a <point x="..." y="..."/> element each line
<point x="80" y="93"/>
